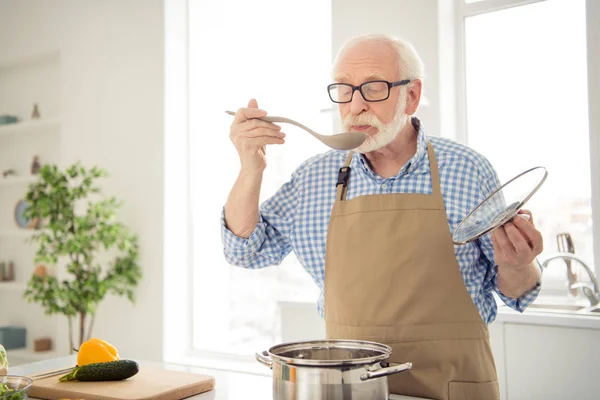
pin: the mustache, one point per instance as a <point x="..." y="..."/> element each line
<point x="362" y="119"/>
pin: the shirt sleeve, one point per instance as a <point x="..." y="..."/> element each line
<point x="487" y="249"/>
<point x="269" y="243"/>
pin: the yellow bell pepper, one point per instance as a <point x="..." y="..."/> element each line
<point x="109" y="346"/>
<point x="96" y="351"/>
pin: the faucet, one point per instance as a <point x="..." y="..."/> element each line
<point x="592" y="292"/>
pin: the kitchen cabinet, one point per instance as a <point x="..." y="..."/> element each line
<point x="497" y="342"/>
<point x="546" y="361"/>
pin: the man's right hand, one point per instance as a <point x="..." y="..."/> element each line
<point x="251" y="136"/>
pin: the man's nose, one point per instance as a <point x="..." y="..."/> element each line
<point x="358" y="103"/>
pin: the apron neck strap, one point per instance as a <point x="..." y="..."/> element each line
<point x="343" y="178"/>
<point x="435" y="174"/>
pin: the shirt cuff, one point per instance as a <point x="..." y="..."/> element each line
<point x="235" y="245"/>
<point x="526" y="299"/>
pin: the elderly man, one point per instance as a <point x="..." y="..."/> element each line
<point x="373" y="228"/>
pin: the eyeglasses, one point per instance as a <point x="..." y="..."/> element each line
<point x="371" y="91"/>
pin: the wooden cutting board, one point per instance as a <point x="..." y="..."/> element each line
<point x="148" y="383"/>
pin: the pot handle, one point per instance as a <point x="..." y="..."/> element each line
<point x="392" y="368"/>
<point x="264" y="359"/>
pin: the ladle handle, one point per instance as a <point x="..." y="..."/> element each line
<point x="284" y="121"/>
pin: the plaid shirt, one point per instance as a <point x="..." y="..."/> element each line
<point x="297" y="216"/>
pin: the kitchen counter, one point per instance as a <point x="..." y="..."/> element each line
<point x="229" y="385"/>
<point x="536" y="316"/>
<point x="563" y="319"/>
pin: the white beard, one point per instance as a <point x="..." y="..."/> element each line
<point x="386" y="133"/>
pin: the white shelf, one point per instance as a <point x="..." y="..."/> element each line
<point x="28" y="60"/>
<point x="24" y="233"/>
<point x="12" y="286"/>
<point x="28" y="355"/>
<point x="28" y="126"/>
<point x="19" y="143"/>
<point x="16" y="180"/>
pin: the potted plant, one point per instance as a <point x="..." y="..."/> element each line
<point x="77" y="231"/>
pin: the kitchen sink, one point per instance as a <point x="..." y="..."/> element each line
<point x="573" y="309"/>
<point x="555" y="307"/>
<point x="560" y="305"/>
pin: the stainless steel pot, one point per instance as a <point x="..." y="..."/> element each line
<point x="330" y="369"/>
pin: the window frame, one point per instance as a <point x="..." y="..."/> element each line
<point x="464" y="10"/>
<point x="179" y="310"/>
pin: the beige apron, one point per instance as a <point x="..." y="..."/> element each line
<point x="391" y="276"/>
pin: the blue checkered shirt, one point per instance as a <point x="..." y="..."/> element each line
<point x="296" y="217"/>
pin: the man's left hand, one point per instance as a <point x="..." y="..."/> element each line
<point x="517" y="243"/>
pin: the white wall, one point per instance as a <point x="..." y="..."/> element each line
<point x="415" y="21"/>
<point x="112" y="112"/>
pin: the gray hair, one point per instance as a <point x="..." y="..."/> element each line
<point x="410" y="64"/>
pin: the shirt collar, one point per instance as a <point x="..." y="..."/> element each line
<point x="413" y="163"/>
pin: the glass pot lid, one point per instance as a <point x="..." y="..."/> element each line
<point x="330" y="352"/>
<point x="501" y="206"/>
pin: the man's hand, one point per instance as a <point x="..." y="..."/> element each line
<point x="251" y="135"/>
<point x="516" y="245"/>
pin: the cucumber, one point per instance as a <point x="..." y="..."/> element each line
<point x="105" y="371"/>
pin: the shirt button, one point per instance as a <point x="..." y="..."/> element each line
<point x="384" y="186"/>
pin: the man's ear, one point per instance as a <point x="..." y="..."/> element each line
<point x="413" y="96"/>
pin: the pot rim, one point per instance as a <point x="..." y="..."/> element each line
<point x="385" y="350"/>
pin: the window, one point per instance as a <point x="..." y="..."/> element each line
<point x="280" y="54"/>
<point x="527" y="105"/>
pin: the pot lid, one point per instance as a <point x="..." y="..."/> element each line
<point x="330" y="352"/>
<point x="494" y="211"/>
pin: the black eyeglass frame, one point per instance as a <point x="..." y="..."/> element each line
<point x="359" y="88"/>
